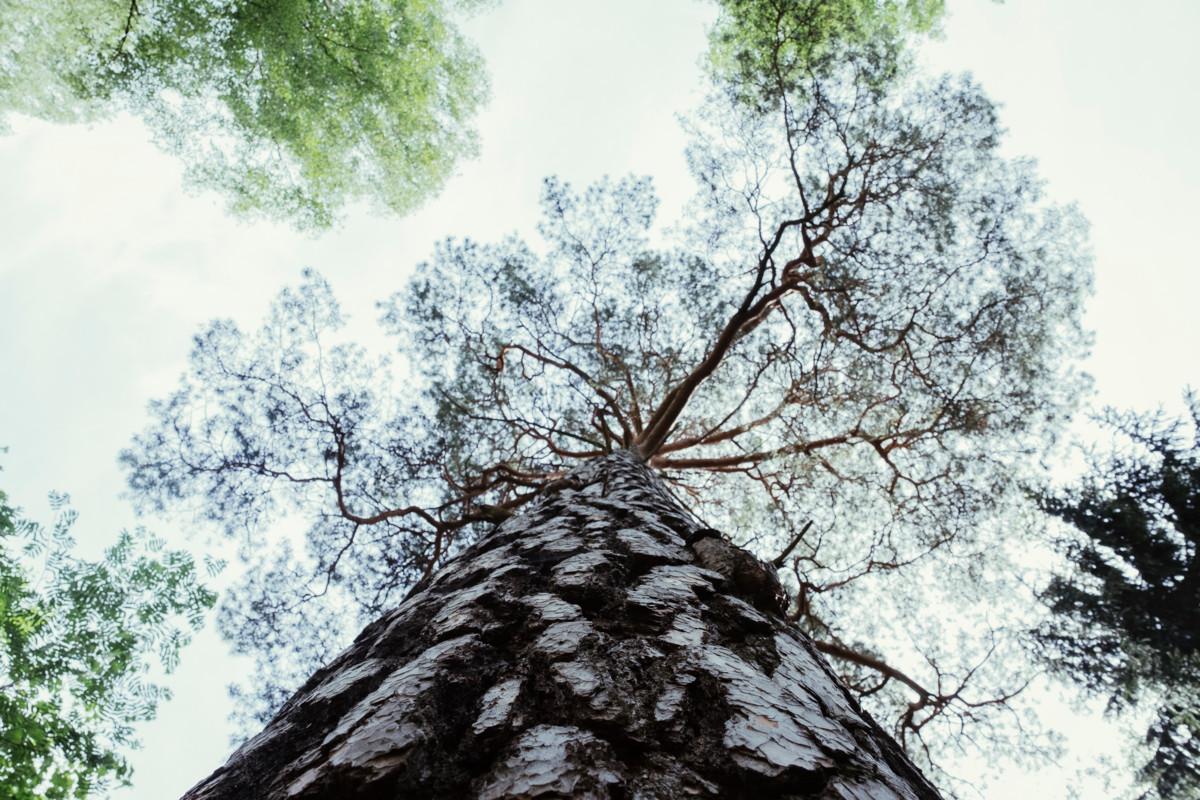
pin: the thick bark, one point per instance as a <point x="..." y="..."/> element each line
<point x="602" y="644"/>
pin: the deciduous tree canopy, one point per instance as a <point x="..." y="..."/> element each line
<point x="291" y="109"/>
<point x="867" y="324"/>
<point x="763" y="50"/>
<point x="77" y="639"/>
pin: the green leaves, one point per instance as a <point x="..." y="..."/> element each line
<point x="762" y="51"/>
<point x="291" y="109"/>
<point x="77" y="640"/>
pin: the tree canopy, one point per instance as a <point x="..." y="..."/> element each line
<point x="764" y="50"/>
<point x="1125" y="615"/>
<point x="77" y="641"/>
<point x="293" y="109"/>
<point x="290" y="109"/>
<point x="856" y="346"/>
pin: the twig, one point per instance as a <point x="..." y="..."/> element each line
<point x="787" y="551"/>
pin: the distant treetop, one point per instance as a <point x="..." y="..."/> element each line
<point x="763" y="50"/>
<point x="290" y="108"/>
<point x="1125" y="614"/>
<point x="77" y="642"/>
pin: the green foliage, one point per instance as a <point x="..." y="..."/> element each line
<point x="1125" y="619"/>
<point x="291" y="108"/>
<point x="764" y="51"/>
<point x="77" y="639"/>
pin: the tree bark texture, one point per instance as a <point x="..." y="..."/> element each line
<point x="602" y="644"/>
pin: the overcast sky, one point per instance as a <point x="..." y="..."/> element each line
<point x="107" y="266"/>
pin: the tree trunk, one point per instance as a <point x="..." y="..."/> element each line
<point x="602" y="644"/>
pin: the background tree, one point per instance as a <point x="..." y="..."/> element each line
<point x="290" y="109"/>
<point x="1125" y="616"/>
<point x="867" y="325"/>
<point x="763" y="50"/>
<point x="77" y="642"/>
<point x="293" y="109"/>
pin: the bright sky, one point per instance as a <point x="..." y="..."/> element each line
<point x="107" y="267"/>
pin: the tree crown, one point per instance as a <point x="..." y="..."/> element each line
<point x="1125" y="615"/>
<point x="867" y="324"/>
<point x="77" y="639"/>
<point x="290" y="109"/>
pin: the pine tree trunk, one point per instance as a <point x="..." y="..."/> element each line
<point x="601" y="644"/>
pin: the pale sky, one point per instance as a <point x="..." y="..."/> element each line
<point x="107" y="267"/>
